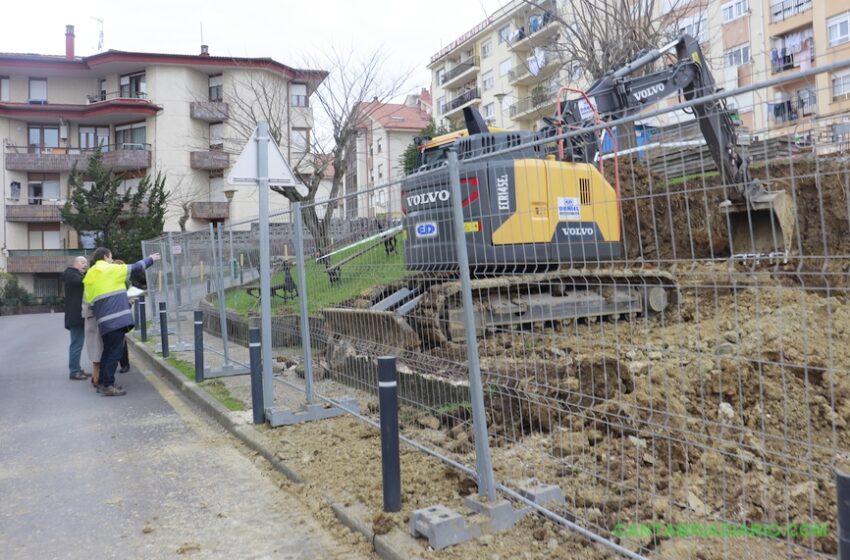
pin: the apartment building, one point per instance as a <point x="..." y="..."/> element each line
<point x="387" y="129"/>
<point x="506" y="67"/>
<point x="182" y="115"/>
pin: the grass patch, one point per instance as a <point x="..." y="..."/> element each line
<point x="215" y="387"/>
<point x="372" y="268"/>
<point x="219" y="392"/>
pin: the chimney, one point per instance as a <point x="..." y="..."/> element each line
<point x="69" y="42"/>
<point x="205" y="50"/>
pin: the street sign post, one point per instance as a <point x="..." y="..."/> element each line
<point x="262" y="164"/>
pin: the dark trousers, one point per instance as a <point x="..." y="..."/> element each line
<point x="113" y="347"/>
<point x="124" y="362"/>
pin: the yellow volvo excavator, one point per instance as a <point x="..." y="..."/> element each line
<point x="542" y="222"/>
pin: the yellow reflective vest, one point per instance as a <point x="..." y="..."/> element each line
<point x="105" y="287"/>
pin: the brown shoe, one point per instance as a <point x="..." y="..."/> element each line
<point x="112" y="391"/>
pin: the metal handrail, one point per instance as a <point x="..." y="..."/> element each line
<point x="778" y="9"/>
<point x="459" y="69"/>
<point x="64" y="150"/>
<point x="47" y="252"/>
<point x="99" y="97"/>
<point x="462" y="99"/>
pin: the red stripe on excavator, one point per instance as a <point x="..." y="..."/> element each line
<point x="473" y="196"/>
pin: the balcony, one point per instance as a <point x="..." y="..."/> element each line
<point x="41" y="260"/>
<point x="118" y="157"/>
<point x="209" y="111"/>
<point x="783" y="9"/>
<point x="210" y="210"/>
<point x="460" y="73"/>
<point x="541" y="35"/>
<point x="538" y="105"/>
<point x="35" y="211"/>
<point x="803" y="60"/>
<point x="522" y="74"/>
<point x="109" y="109"/>
<point x="210" y="160"/>
<point x="463" y="100"/>
<point x="792" y="110"/>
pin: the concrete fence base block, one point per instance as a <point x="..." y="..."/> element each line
<point x="228" y="370"/>
<point x="498" y="516"/>
<point x="541" y="494"/>
<point x="286" y="417"/>
<point x="442" y="527"/>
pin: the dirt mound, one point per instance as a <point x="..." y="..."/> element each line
<point x="668" y="220"/>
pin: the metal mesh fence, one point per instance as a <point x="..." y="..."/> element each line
<point x="665" y="358"/>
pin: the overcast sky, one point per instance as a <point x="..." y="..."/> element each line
<point x="284" y="30"/>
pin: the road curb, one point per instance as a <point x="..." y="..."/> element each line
<point x="395" y="545"/>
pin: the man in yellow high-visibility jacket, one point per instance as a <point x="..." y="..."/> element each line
<point x="106" y="291"/>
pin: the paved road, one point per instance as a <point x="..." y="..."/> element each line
<point x="139" y="476"/>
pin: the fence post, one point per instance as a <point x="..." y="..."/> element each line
<point x="486" y="482"/>
<point x="222" y="308"/>
<point x="143" y="319"/>
<point x="199" y="346"/>
<point x="163" y="328"/>
<point x="256" y="356"/>
<point x="388" y="400"/>
<point x="842" y="484"/>
<point x="136" y="318"/>
<point x="302" y="300"/>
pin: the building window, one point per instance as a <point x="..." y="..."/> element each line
<point x="696" y="26"/>
<point x="486" y="49"/>
<point x="734" y="10"/>
<point x="216" y="88"/>
<point x="441" y="76"/>
<point x="103" y="89"/>
<point x="807" y="100"/>
<point x="379" y="143"/>
<point x="38" y="90"/>
<point x="92" y="137"/>
<point x="487" y="81"/>
<point x="489" y="112"/>
<point x="42" y="187"/>
<point x="441" y="105"/>
<point x="504" y="34"/>
<point x="300" y="140"/>
<point x="130" y="136"/>
<point x="299" y="95"/>
<point x="133" y="86"/>
<point x="838" y="29"/>
<point x="505" y="67"/>
<point x="44" y="236"/>
<point x="4" y="88"/>
<point x="783" y="9"/>
<point x="42" y="139"/>
<point x="216" y="136"/>
<point x="380" y="171"/>
<point x="841" y="85"/>
<point x="738" y="56"/>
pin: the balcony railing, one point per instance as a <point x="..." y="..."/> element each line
<point x="210" y="111"/>
<point x="791" y="110"/>
<point x="462" y="99"/>
<point x="523" y="72"/>
<point x="210" y="160"/>
<point x="536" y="101"/>
<point x="784" y="9"/>
<point x="459" y="69"/>
<point x="98" y="97"/>
<point x="791" y="61"/>
<point x="118" y="157"/>
<point x="38" y="210"/>
<point x="210" y="210"/>
<point x="31" y="261"/>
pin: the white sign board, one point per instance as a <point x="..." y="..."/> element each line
<point x="245" y="170"/>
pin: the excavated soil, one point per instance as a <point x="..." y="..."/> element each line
<point x="732" y="406"/>
<point x="664" y="222"/>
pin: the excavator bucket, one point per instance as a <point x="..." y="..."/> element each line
<point x="763" y="225"/>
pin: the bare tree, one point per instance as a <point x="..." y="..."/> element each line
<point x="353" y="80"/>
<point x="599" y="35"/>
<point x="180" y="201"/>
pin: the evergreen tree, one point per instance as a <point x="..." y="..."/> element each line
<point x="410" y="154"/>
<point x="119" y="220"/>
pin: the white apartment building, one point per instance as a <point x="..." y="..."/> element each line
<point x="387" y="129"/>
<point x="148" y="113"/>
<point x="506" y="68"/>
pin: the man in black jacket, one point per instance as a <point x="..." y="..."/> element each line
<point x="74" y="322"/>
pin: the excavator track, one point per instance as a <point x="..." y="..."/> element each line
<point x="428" y="311"/>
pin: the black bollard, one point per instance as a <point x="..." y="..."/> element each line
<point x="143" y="320"/>
<point x="136" y="315"/>
<point x="163" y="328"/>
<point x="256" y="356"/>
<point x="842" y="483"/>
<point x="199" y="346"/>
<point x="388" y="399"/>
